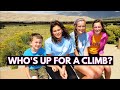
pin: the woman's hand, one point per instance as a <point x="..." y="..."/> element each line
<point x="63" y="72"/>
<point x="54" y="67"/>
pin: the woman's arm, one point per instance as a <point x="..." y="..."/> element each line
<point x="86" y="52"/>
<point x="76" y="52"/>
<point x="101" y="54"/>
<point x="63" y="72"/>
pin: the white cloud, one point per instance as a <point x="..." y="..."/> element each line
<point x="117" y="11"/>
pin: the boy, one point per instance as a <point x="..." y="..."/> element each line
<point x="36" y="71"/>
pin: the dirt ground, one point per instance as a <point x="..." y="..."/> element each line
<point x="110" y="50"/>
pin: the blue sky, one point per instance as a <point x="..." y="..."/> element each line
<point x="51" y="12"/>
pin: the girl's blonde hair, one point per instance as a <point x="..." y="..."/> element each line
<point x="75" y="31"/>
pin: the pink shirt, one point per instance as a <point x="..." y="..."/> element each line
<point x="103" y="40"/>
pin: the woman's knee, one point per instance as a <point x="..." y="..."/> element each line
<point x="101" y="67"/>
<point x="98" y="73"/>
<point x="76" y="67"/>
<point x="86" y="71"/>
<point x="108" y="69"/>
<point x="98" y="70"/>
<point x="91" y="74"/>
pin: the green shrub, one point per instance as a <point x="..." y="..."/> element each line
<point x="114" y="33"/>
<point x="111" y="38"/>
<point x="115" y="29"/>
<point x="88" y="29"/>
<point x="14" y="46"/>
<point x="14" y="66"/>
<point x="70" y="28"/>
<point x="14" y="39"/>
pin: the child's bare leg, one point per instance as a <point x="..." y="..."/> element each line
<point x="107" y="72"/>
<point x="99" y="70"/>
<point x="86" y="70"/>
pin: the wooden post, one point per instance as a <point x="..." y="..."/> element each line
<point x="119" y="43"/>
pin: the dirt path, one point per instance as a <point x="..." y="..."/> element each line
<point x="13" y="74"/>
<point x="110" y="50"/>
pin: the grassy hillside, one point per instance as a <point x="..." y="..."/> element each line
<point x="112" y="19"/>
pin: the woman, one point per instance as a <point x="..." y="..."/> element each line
<point x="59" y="44"/>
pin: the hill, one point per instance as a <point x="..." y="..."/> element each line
<point x="9" y="16"/>
<point x="92" y="14"/>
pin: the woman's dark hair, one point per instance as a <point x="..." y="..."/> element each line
<point x="75" y="31"/>
<point x="101" y="22"/>
<point x="65" y="33"/>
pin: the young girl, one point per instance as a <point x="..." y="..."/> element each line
<point x="98" y="38"/>
<point x="81" y="44"/>
<point x="59" y="44"/>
